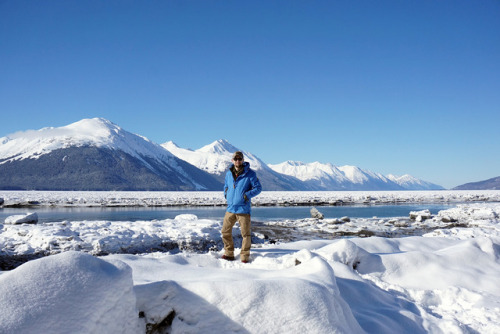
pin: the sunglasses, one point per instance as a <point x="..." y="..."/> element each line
<point x="238" y="159"/>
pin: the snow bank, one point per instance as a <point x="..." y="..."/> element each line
<point x="452" y="284"/>
<point x="68" y="293"/>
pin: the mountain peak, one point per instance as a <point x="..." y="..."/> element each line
<point x="89" y="128"/>
<point x="94" y="127"/>
<point x="170" y="145"/>
<point x="291" y="163"/>
<point x="98" y="132"/>
<point x="219" y="146"/>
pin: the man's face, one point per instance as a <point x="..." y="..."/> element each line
<point x="238" y="162"/>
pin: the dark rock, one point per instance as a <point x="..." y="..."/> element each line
<point x="162" y="326"/>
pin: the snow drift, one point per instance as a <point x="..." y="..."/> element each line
<point x="68" y="293"/>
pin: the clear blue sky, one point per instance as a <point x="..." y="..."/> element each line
<point x="390" y="86"/>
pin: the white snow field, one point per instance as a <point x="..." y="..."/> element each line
<point x="445" y="281"/>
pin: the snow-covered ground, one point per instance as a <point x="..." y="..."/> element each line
<point x="444" y="281"/>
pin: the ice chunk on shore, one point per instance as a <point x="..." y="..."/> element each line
<point x="186" y="216"/>
<point x="29" y="218"/>
<point x="316" y="214"/>
<point x="420" y="215"/>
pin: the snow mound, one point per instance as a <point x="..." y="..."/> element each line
<point x="68" y="293"/>
<point x="348" y="253"/>
<point x="453" y="283"/>
<point x="242" y="302"/>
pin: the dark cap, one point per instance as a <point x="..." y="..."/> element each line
<point x="238" y="154"/>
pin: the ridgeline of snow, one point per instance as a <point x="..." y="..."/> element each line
<point x="361" y="176"/>
<point x="311" y="171"/>
<point x="409" y="182"/>
<point x="215" y="158"/>
<point x="328" y="177"/>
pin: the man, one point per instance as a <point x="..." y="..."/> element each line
<point x="240" y="186"/>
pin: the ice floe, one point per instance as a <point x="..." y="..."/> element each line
<point x="266" y="198"/>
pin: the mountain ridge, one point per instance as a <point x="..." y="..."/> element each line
<point x="215" y="158"/>
<point x="111" y="158"/>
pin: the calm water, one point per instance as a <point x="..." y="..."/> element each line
<point x="258" y="213"/>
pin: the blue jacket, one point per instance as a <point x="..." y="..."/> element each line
<point x="239" y="192"/>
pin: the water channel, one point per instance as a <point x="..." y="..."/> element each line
<point x="47" y="214"/>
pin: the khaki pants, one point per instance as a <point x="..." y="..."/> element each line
<point x="227" y="234"/>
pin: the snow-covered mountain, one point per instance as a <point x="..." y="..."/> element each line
<point x="93" y="154"/>
<point x="215" y="159"/>
<point x="409" y="182"/>
<point x="97" y="132"/>
<point x="329" y="177"/>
